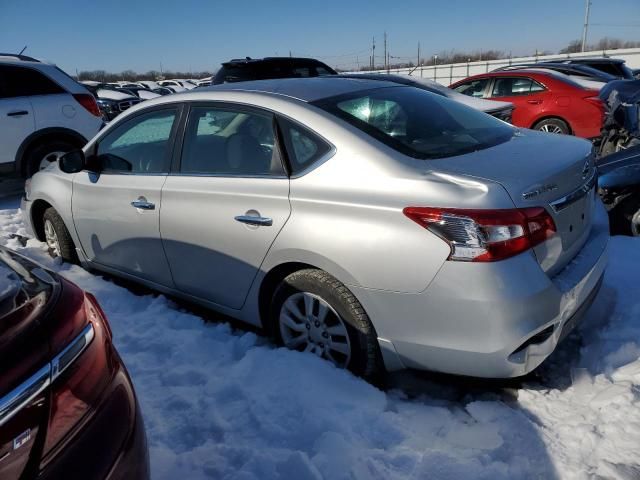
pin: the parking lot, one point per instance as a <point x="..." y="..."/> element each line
<point x="225" y="257"/>
<point x="222" y="402"/>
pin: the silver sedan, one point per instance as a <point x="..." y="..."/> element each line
<point x="372" y="224"/>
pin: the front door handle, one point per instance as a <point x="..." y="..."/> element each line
<point x="251" y="220"/>
<point x="17" y="113"/>
<point x="143" y="205"/>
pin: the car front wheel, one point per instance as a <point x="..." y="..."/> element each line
<point x="57" y="237"/>
<point x="314" y="312"/>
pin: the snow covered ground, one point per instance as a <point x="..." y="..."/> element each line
<point x="224" y="403"/>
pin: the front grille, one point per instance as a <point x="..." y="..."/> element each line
<point x="126" y="104"/>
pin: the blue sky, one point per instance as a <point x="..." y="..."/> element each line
<point x="195" y="35"/>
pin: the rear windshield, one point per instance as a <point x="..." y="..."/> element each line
<point x="418" y="123"/>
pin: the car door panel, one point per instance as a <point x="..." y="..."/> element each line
<point x="226" y="204"/>
<point x="212" y="255"/>
<point x="17" y="122"/>
<point x="115" y="233"/>
<point x="528" y="105"/>
<point x="116" y="212"/>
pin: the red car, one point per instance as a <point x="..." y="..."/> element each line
<point x="67" y="406"/>
<point x="544" y="100"/>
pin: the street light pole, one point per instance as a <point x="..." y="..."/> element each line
<point x="586" y="25"/>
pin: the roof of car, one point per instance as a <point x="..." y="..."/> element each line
<point x="17" y="56"/>
<point x="249" y="60"/>
<point x="305" y="89"/>
<point x="592" y="60"/>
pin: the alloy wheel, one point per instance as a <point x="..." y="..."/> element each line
<point x="51" y="237"/>
<point x="550" y="128"/>
<point x="308" y="323"/>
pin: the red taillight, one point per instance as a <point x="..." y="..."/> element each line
<point x="485" y="235"/>
<point x="81" y="370"/>
<point x="88" y="102"/>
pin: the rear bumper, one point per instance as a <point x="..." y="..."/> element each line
<point x="497" y="320"/>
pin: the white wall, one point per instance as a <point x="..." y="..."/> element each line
<point x="447" y="74"/>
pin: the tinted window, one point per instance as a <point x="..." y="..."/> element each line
<point x="512" y="87"/>
<point x="609" y="68"/>
<point x="24" y="82"/>
<point x="418" y="123"/>
<point x="225" y="141"/>
<point x="474" y="88"/>
<point x="302" y="72"/>
<point x="139" y="145"/>
<point x="303" y="147"/>
<point x="324" y="71"/>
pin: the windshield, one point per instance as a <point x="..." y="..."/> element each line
<point x="418" y="123"/>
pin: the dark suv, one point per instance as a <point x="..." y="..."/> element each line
<point x="241" y="70"/>
<point x="612" y="66"/>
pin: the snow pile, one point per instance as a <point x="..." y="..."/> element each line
<point x="221" y="403"/>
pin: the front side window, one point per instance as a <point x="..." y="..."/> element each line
<point x="513" y="87"/>
<point x="418" y="123"/>
<point x="230" y="142"/>
<point x="25" y="82"/>
<point x="139" y="145"/>
<point x="474" y="88"/>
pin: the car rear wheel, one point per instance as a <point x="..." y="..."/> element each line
<point x="57" y="237"/>
<point x="313" y="312"/>
<point x="43" y="155"/>
<point x="553" y="125"/>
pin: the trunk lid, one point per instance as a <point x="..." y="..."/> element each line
<point x="26" y="292"/>
<point x="539" y="169"/>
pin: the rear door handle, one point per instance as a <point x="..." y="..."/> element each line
<point x="534" y="102"/>
<point x="143" y="205"/>
<point x="251" y="220"/>
<point x="17" y="113"/>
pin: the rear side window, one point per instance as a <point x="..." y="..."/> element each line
<point x="513" y="87"/>
<point x="139" y="145"/>
<point x="225" y="141"/>
<point x="25" y="82"/>
<point x="304" y="147"/>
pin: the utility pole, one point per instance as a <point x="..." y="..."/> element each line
<point x="386" y="63"/>
<point x="418" y="64"/>
<point x="373" y="54"/>
<point x="586" y="25"/>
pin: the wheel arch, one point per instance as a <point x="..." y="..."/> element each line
<point x="37" y="221"/>
<point x="41" y="136"/>
<point x="268" y="286"/>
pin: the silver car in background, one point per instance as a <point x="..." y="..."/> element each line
<point x="373" y="224"/>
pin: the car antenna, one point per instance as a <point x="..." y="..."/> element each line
<point x="22" y="51"/>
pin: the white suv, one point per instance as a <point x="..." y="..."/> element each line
<point x="43" y="113"/>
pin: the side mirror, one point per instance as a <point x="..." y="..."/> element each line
<point x="72" y="162"/>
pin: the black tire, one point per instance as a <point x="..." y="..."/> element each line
<point x="555" y="125"/>
<point x="365" y="360"/>
<point x="66" y="247"/>
<point x="37" y="153"/>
